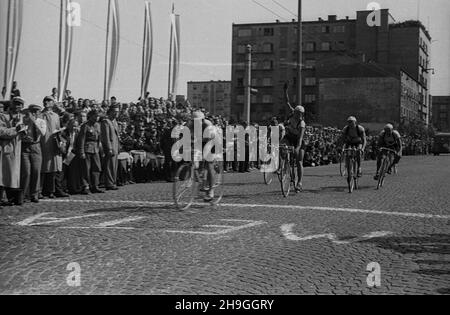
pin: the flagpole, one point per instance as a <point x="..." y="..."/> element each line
<point x="143" y="53"/>
<point x="170" y="53"/>
<point x="106" y="52"/>
<point x="61" y="18"/>
<point x="8" y="21"/>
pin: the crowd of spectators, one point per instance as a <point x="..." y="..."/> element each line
<point x="44" y="147"/>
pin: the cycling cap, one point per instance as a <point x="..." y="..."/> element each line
<point x="300" y="109"/>
<point x="352" y="118"/>
<point x="389" y="127"/>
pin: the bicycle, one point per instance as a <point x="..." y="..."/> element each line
<point x="287" y="169"/>
<point x="190" y="181"/>
<point x="351" y="164"/>
<point x="386" y="162"/>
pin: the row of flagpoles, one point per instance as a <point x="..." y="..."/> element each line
<point x="66" y="35"/>
<point x="14" y="21"/>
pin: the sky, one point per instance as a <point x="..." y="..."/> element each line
<point x="206" y="37"/>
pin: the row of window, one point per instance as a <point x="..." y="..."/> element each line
<point x="267" y="99"/>
<point x="270" y="31"/>
<point x="308" y="47"/>
<point x="309" y="81"/>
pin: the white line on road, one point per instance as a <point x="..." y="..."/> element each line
<point x="286" y="230"/>
<point x="117" y="222"/>
<point x="252" y="206"/>
<point x="223" y="229"/>
<point x="29" y="221"/>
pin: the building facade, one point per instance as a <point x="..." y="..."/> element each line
<point x="324" y="42"/>
<point x="375" y="94"/>
<point x="441" y="113"/>
<point x="214" y="96"/>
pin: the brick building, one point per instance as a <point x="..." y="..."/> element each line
<point x="214" y="96"/>
<point x="441" y="113"/>
<point x="324" y="41"/>
<point x="375" y="94"/>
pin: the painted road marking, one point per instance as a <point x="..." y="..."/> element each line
<point x="223" y="229"/>
<point x="31" y="221"/>
<point x="252" y="206"/>
<point x="286" y="230"/>
<point x="118" y="222"/>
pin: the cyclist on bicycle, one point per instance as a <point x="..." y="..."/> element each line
<point x="294" y="137"/>
<point x="198" y="118"/>
<point x="354" y="136"/>
<point x="390" y="139"/>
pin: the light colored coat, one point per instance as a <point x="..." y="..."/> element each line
<point x="51" y="159"/>
<point x="10" y="150"/>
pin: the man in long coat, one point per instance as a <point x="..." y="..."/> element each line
<point x="110" y="143"/>
<point x="51" y="157"/>
<point x="11" y="125"/>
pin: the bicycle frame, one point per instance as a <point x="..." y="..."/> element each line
<point x="352" y="167"/>
<point x="386" y="161"/>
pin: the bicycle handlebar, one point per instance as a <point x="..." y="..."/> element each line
<point x="389" y="150"/>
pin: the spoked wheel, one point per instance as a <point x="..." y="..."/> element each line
<point x="350" y="181"/>
<point x="219" y="187"/>
<point x="185" y="187"/>
<point x="383" y="171"/>
<point x="285" y="178"/>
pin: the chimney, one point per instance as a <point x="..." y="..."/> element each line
<point x="347" y="18"/>
<point x="320" y="19"/>
<point x="293" y="21"/>
<point x="278" y="21"/>
<point x="332" y="18"/>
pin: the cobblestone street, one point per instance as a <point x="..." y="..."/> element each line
<point x="318" y="242"/>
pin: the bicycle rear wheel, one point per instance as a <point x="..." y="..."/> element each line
<point x="185" y="187"/>
<point x="285" y="178"/>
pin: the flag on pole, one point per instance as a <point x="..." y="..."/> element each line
<point x="65" y="47"/>
<point x="147" y="51"/>
<point x="114" y="26"/>
<point x="14" y="21"/>
<point x="174" y="62"/>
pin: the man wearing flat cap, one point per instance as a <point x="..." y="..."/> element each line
<point x="110" y="143"/>
<point x="31" y="157"/>
<point x="11" y="130"/>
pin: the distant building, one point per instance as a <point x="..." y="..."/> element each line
<point x="375" y="94"/>
<point x="275" y="59"/>
<point x="441" y="113"/>
<point x="214" y="96"/>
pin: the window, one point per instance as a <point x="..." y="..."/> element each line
<point x="268" y="32"/>
<point x="267" y="81"/>
<point x="240" y="82"/>
<point x="267" y="99"/>
<point x="310" y="63"/>
<point x="310" y="81"/>
<point x="242" y="49"/>
<point x="268" y="48"/>
<point x="310" y="46"/>
<point x="310" y="98"/>
<point x="268" y="64"/>
<point x="254" y="99"/>
<point x="325" y="29"/>
<point x="254" y="82"/>
<point x="254" y="65"/>
<point x="245" y="32"/>
<point x="339" y="29"/>
<point x="325" y="46"/>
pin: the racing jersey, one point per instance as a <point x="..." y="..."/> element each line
<point x="392" y="141"/>
<point x="353" y="136"/>
<point x="294" y="127"/>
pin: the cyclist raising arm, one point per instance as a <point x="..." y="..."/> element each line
<point x="295" y="133"/>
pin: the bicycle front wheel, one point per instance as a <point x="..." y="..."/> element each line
<point x="285" y="178"/>
<point x="185" y="187"/>
<point x="383" y="171"/>
<point x="342" y="166"/>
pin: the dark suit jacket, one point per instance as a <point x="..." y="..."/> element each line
<point x="110" y="136"/>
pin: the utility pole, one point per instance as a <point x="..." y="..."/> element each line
<point x="248" y="82"/>
<point x="299" y="55"/>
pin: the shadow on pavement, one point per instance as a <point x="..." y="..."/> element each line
<point x="435" y="244"/>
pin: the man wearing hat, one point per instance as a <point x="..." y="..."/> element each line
<point x="31" y="157"/>
<point x="110" y="143"/>
<point x="51" y="157"/>
<point x="11" y="130"/>
<point x="89" y="153"/>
